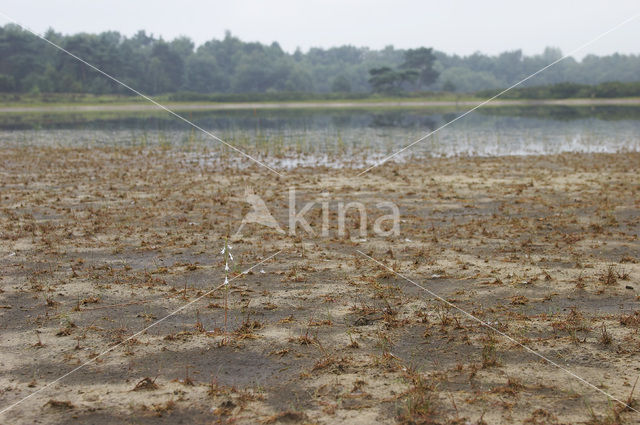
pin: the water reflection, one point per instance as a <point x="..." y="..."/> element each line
<point x="333" y="137"/>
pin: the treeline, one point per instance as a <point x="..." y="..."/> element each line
<point x="230" y="66"/>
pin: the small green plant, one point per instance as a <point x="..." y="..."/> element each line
<point x="354" y="343"/>
<point x="605" y="337"/>
<point x="420" y="403"/>
<point x="489" y="353"/>
<point x="226" y="251"/>
<point x="609" y="277"/>
<point x="612" y="417"/>
<point x="199" y="326"/>
<point x="384" y="342"/>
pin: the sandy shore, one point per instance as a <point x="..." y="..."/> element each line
<point x="187" y="106"/>
<point x="96" y="245"/>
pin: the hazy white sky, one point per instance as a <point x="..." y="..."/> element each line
<point x="454" y="26"/>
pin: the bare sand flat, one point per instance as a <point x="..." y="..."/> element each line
<point x="193" y="106"/>
<point x="97" y="244"/>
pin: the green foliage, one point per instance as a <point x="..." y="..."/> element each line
<point x="340" y="84"/>
<point x="448" y="86"/>
<point x="415" y="73"/>
<point x="280" y="96"/>
<point x="570" y="90"/>
<point x="420" y="65"/>
<point x="7" y="83"/>
<point x="385" y="79"/>
<point x="231" y="66"/>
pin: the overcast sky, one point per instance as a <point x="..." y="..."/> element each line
<point x="455" y="26"/>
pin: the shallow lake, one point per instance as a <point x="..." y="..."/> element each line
<point x="292" y="138"/>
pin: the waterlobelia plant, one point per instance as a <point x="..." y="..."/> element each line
<point x="226" y="251"/>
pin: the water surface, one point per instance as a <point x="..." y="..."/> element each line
<point x="293" y="138"/>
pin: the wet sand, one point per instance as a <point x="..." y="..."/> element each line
<point x="96" y="245"/>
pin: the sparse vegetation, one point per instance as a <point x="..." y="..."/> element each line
<point x="319" y="333"/>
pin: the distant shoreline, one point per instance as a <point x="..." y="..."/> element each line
<point x="200" y="106"/>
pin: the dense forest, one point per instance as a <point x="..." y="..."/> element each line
<point x="153" y="65"/>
